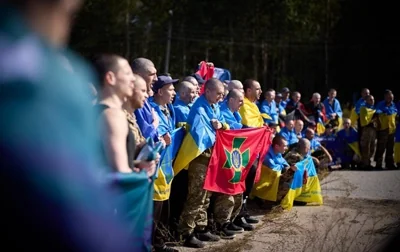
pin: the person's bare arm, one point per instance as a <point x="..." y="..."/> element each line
<point x="326" y="152"/>
<point x="115" y="136"/>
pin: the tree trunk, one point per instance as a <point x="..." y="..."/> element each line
<point x="264" y="54"/>
<point x="127" y="30"/>
<point x="255" y="62"/>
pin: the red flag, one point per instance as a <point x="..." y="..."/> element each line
<point x="233" y="154"/>
<point x="206" y="71"/>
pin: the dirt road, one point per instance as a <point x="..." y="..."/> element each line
<point x="361" y="211"/>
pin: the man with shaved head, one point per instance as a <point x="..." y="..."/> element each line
<point x="230" y="108"/>
<point x="187" y="93"/>
<point x="368" y="126"/>
<point x="315" y="110"/>
<point x="235" y="84"/>
<point x="146" y="116"/>
<point x="315" y="146"/>
<point x="203" y="120"/>
<point x="268" y="106"/>
<point x="355" y="112"/>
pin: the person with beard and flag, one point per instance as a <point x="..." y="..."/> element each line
<point x="251" y="118"/>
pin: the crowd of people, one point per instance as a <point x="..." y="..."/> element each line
<point x="51" y="147"/>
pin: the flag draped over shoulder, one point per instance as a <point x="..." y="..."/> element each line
<point x="200" y="135"/>
<point x="387" y="116"/>
<point x="366" y="115"/>
<point x="165" y="174"/>
<point x="310" y="192"/>
<point x="234" y="153"/>
<point x="136" y="201"/>
<point x="251" y="116"/>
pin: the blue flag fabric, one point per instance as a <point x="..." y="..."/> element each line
<point x="309" y="192"/>
<point x="165" y="172"/>
<point x="222" y="74"/>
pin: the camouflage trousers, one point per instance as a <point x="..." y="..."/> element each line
<point x="194" y="214"/>
<point x="367" y="144"/>
<point x="285" y="181"/>
<point x="385" y="143"/>
<point x="226" y="207"/>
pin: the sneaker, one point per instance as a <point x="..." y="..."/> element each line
<point x="206" y="236"/>
<point x="235" y="229"/>
<point x="192" y="242"/>
<point x="251" y="220"/>
<point x="224" y="232"/>
<point x="165" y="249"/>
<point x="241" y="222"/>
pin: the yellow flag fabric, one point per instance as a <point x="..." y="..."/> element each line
<point x="267" y="187"/>
<point x="308" y="193"/>
<point x="251" y="115"/>
<point x="366" y="115"/>
<point x="388" y="122"/>
<point x="353" y="117"/>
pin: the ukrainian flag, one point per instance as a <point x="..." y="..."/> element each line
<point x="366" y="115"/>
<point x="165" y="174"/>
<point x="397" y="145"/>
<point x="200" y="135"/>
<point x="310" y="192"/>
<point x="387" y="116"/>
<point x="351" y="138"/>
<point x="251" y="116"/>
<point x="320" y="127"/>
<point x="356" y="111"/>
<point x="267" y="187"/>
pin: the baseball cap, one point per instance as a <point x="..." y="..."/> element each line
<point x="199" y="79"/>
<point x="162" y="81"/>
<point x="279" y="95"/>
<point x="285" y="90"/>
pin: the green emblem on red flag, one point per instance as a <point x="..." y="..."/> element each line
<point x="237" y="159"/>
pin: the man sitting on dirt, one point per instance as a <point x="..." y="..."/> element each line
<point x="275" y="172"/>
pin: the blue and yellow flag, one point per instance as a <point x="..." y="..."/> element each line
<point x="310" y="192"/>
<point x="251" y="116"/>
<point x="200" y="135"/>
<point x="320" y="127"/>
<point x="366" y="114"/>
<point x="387" y="116"/>
<point x="351" y="138"/>
<point x="165" y="174"/>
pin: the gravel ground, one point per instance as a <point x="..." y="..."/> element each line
<point x="361" y="211"/>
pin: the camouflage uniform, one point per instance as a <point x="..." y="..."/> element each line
<point x="385" y="142"/>
<point x="367" y="144"/>
<point x="194" y="214"/>
<point x="226" y="207"/>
